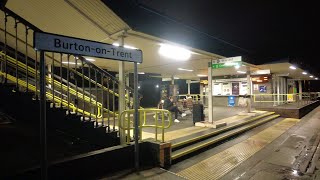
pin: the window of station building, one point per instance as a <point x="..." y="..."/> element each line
<point x="229" y="88"/>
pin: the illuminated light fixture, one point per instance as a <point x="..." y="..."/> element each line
<point x="311" y="76"/>
<point x="139" y="87"/>
<point x="293" y="67"/>
<point x="304" y="73"/>
<point x="157" y="86"/>
<point x="125" y="46"/>
<point x="202" y="75"/>
<point x="176" y="78"/>
<point x="316" y="78"/>
<point x="141" y="73"/>
<point x="241" y="72"/>
<point x="181" y="69"/>
<point x="174" y="52"/>
<point x="259" y="80"/>
<point x="265" y="77"/>
<point x="237" y="66"/>
<point x="90" y="59"/>
<point x="138" y="63"/>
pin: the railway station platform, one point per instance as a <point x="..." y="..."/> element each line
<point x="285" y="148"/>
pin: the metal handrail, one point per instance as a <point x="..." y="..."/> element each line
<point x="57" y="83"/>
<point x="48" y="94"/>
<point x="126" y="123"/>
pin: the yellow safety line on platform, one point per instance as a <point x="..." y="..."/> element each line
<point x="171" y="135"/>
<point x="221" y="130"/>
<point x="222" y="163"/>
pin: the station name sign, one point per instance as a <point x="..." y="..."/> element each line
<point x="76" y="46"/>
<point x="226" y="62"/>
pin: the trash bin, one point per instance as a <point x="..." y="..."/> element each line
<point x="197" y="112"/>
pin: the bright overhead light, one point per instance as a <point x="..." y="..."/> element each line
<point x="141" y="73"/>
<point x="125" y="46"/>
<point x="157" y="86"/>
<point x="139" y="87"/>
<point x="304" y="73"/>
<point x="311" y="76"/>
<point x="174" y="52"/>
<point x="293" y="67"/>
<point x="181" y="69"/>
<point x="176" y="78"/>
<point x="202" y="75"/>
<point x="316" y="78"/>
<point x="237" y="66"/>
<point x="241" y="72"/>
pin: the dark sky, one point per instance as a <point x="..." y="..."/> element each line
<point x="268" y="29"/>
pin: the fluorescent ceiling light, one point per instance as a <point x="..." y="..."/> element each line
<point x="157" y="86"/>
<point x="316" y="78"/>
<point x="176" y="78"/>
<point x="259" y="80"/>
<point x="174" y="52"/>
<point x="181" y="69"/>
<point x="141" y="73"/>
<point x="90" y="59"/>
<point x="202" y="75"/>
<point x="241" y="72"/>
<point x="311" y="76"/>
<point x="125" y="46"/>
<point x="236" y="66"/>
<point x="293" y="67"/>
<point x="304" y="73"/>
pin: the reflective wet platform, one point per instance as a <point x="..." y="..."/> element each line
<point x="284" y="148"/>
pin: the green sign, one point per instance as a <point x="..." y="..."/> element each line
<point x="225" y="65"/>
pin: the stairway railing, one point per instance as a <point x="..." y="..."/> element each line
<point x="72" y="81"/>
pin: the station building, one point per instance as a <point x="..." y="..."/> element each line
<point x="97" y="93"/>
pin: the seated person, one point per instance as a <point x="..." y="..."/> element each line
<point x="168" y="104"/>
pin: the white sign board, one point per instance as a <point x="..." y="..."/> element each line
<point x="70" y="45"/>
<point x="231" y="59"/>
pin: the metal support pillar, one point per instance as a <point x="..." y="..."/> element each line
<point x="43" y="120"/>
<point x="127" y="91"/>
<point x="121" y="87"/>
<point x="278" y="90"/>
<point x="201" y="93"/>
<point x="188" y="82"/>
<point x="281" y="90"/>
<point x="249" y="90"/>
<point x="136" y="118"/>
<point x="210" y="100"/>
<point x="300" y="89"/>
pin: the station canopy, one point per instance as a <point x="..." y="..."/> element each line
<point x="93" y="20"/>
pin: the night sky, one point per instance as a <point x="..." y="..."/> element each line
<point x="267" y="29"/>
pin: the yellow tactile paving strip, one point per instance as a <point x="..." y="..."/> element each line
<point x="220" y="164"/>
<point x="171" y="135"/>
<point x="168" y="136"/>
<point x="237" y="118"/>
